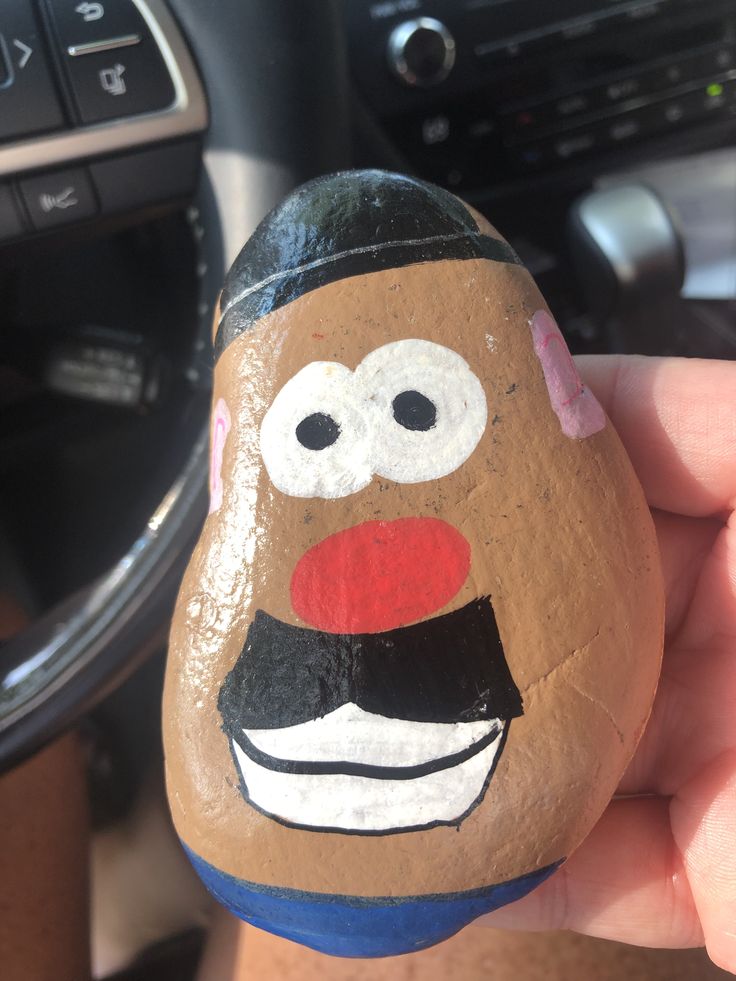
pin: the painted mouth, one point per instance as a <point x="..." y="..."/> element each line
<point x="370" y="734"/>
<point x="363" y="773"/>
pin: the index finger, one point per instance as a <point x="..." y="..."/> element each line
<point x="677" y="420"/>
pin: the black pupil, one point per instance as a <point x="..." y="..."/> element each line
<point x="317" y="431"/>
<point x="414" y="411"/>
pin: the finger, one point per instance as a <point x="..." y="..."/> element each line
<point x="694" y="716"/>
<point x="712" y="613"/>
<point x="677" y="419"/>
<point x="626" y="882"/>
<point x="684" y="544"/>
<point x="704" y="828"/>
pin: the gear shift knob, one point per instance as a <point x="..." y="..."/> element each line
<point x="627" y="251"/>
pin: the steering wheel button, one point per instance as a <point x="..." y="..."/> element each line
<point x="10" y="221"/>
<point x="88" y="21"/>
<point x="28" y="100"/>
<point x="121" y="82"/>
<point x="147" y="176"/>
<point x="59" y="198"/>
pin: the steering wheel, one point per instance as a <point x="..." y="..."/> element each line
<point x="274" y="73"/>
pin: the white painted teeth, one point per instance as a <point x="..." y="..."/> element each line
<point x="370" y="804"/>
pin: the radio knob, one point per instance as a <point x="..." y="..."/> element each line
<point x="421" y="52"/>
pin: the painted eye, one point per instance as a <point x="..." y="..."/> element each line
<point x="414" y="411"/>
<point x="315" y="436"/>
<point x="317" y="431"/>
<point x="430" y="409"/>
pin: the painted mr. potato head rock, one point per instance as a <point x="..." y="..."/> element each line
<point x="421" y="632"/>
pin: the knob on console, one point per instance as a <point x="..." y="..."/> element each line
<point x="421" y="52"/>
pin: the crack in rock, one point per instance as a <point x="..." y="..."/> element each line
<point x="589" y="698"/>
<point x="604" y="709"/>
<point x="577" y="652"/>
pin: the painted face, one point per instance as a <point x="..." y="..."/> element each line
<point x="420" y="633"/>
<point x="359" y="720"/>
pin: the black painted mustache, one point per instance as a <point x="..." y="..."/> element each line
<point x="448" y="669"/>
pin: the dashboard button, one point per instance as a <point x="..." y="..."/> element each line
<point x="435" y="129"/>
<point x="674" y="112"/>
<point x="572" y="105"/>
<point x="28" y="100"/>
<point x="532" y="156"/>
<point x="526" y="123"/>
<point x="623" y="89"/>
<point x="122" y="82"/>
<point x="670" y="76"/>
<point x="715" y="62"/>
<point x="10" y="221"/>
<point x="479" y="128"/>
<point x="704" y="65"/>
<point x="711" y="101"/>
<point x="576" y="144"/>
<point x="59" y="198"/>
<point x="86" y="22"/>
<point x="716" y="97"/>
<point x="147" y="176"/>
<point x="624" y="128"/>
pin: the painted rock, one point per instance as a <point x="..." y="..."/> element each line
<point x="421" y="632"/>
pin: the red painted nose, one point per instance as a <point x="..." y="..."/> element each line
<point x="380" y="575"/>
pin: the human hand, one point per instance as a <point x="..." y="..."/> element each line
<point x="659" y="869"/>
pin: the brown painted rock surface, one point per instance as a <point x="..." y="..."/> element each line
<point x="420" y="635"/>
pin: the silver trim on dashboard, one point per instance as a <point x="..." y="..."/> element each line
<point x="396" y="50"/>
<point x="186" y="115"/>
<point x="95" y="47"/>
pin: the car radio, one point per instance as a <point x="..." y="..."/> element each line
<point x="473" y="91"/>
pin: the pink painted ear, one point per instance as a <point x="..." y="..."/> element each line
<point x="576" y="407"/>
<point x="221" y="423"/>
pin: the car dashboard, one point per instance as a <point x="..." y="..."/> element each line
<point x="524" y="108"/>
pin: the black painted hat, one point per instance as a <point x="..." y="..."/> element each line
<point x="346" y="224"/>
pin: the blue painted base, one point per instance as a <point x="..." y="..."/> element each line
<point x="354" y="926"/>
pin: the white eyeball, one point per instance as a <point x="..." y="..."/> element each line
<point x="430" y="409"/>
<point x="315" y="438"/>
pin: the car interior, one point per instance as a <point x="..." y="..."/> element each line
<point x="141" y="141"/>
